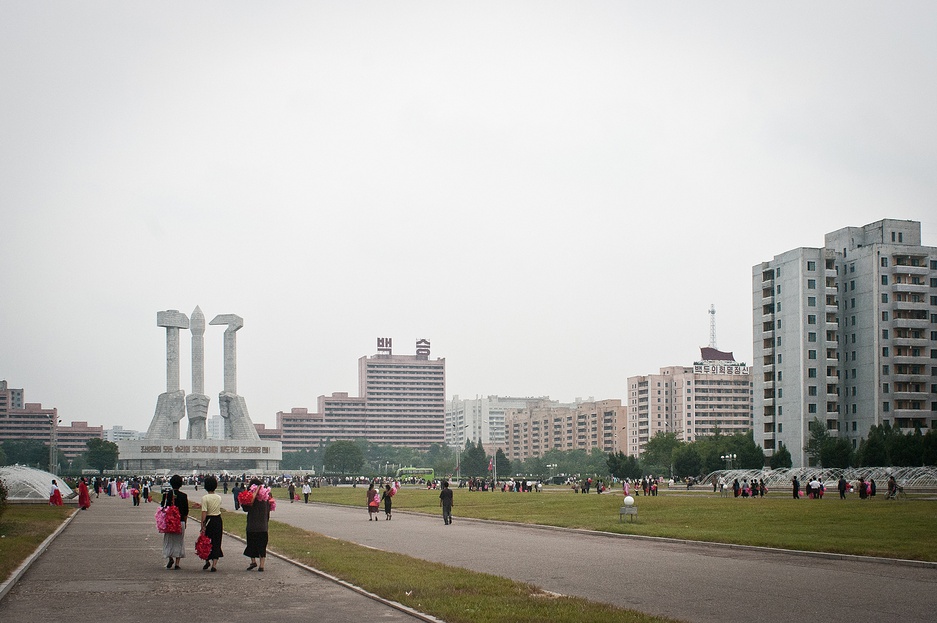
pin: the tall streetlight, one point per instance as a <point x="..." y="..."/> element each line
<point x="53" y="425"/>
<point x="728" y="458"/>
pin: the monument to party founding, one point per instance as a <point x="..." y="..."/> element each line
<point x="162" y="449"/>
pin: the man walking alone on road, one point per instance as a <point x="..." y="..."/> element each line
<point x="445" y="500"/>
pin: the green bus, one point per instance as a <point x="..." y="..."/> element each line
<point x="425" y="473"/>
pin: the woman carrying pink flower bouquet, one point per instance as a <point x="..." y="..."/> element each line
<point x="258" y="517"/>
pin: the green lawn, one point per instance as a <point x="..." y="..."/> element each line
<point x="23" y="527"/>
<point x="875" y="527"/>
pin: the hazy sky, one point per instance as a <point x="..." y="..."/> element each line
<point x="553" y="193"/>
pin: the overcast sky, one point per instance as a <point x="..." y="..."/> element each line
<point x="552" y="193"/>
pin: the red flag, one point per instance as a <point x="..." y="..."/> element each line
<point x="490" y="464"/>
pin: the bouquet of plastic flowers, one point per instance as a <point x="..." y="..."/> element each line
<point x="203" y="547"/>
<point x="259" y="492"/>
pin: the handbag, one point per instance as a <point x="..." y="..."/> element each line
<point x="168" y="520"/>
<point x="203" y="547"/>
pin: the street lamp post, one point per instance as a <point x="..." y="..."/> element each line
<point x="728" y="458"/>
<point x="53" y="425"/>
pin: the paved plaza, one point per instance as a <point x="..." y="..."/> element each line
<point x="107" y="566"/>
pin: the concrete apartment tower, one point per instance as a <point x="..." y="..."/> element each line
<point x="846" y="334"/>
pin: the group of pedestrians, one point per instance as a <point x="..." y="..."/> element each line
<point x="211" y="525"/>
<point x="755" y="489"/>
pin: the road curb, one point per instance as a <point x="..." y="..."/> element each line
<point x="357" y="589"/>
<point x="18" y="573"/>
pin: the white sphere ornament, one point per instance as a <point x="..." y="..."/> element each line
<point x="629" y="501"/>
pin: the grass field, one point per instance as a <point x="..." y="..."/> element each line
<point x="875" y="527"/>
<point x="23" y="527"/>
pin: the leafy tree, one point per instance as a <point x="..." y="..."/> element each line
<point x="536" y="467"/>
<point x="597" y="464"/>
<point x="905" y="450"/>
<point x="873" y="451"/>
<point x="929" y="448"/>
<point x="818" y="438"/>
<point x="503" y="464"/>
<point x="3" y="457"/>
<point x="474" y="461"/>
<point x="623" y="466"/>
<point x="781" y="458"/>
<point x="3" y="496"/>
<point x="343" y="457"/>
<point x="101" y="455"/>
<point x="687" y="460"/>
<point x="26" y="452"/>
<point x="301" y="459"/>
<point x="751" y="456"/>
<point x="836" y="453"/>
<point x="659" y="449"/>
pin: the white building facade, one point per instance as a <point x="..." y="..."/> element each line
<point x="481" y="418"/>
<point x="845" y="334"/>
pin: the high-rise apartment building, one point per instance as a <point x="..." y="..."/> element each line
<point x="9" y="398"/>
<point x="715" y="393"/>
<point x="543" y="426"/>
<point x="481" y="418"/>
<point x="401" y="401"/>
<point x="845" y="334"/>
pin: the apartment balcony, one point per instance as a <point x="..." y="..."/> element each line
<point x="769" y="384"/>
<point x="768" y="402"/>
<point x="919" y="342"/>
<point x="768" y="333"/>
<point x="911" y="323"/>
<point x="909" y="395"/>
<point x="921" y="359"/>
<point x="915" y="414"/>
<point x="768" y="367"/>
<point x="911" y="288"/>
<point x="907" y="269"/>
<point x="912" y="305"/>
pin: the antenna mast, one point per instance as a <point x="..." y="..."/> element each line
<point x="712" y="326"/>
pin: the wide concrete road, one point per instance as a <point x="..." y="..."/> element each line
<point x="690" y="582"/>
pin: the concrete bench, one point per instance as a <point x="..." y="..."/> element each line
<point x="632" y="511"/>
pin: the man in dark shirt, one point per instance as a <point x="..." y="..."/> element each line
<point x="445" y="500"/>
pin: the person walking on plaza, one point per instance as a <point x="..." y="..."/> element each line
<point x="386" y="496"/>
<point x="796" y="485"/>
<point x="306" y="491"/>
<point x="374" y="502"/>
<point x="258" y="518"/>
<point x="174" y="544"/>
<point x="841" y="485"/>
<point x="445" y="501"/>
<point x="84" y="497"/>
<point x="292" y="491"/>
<point x="212" y="526"/>
<point x="236" y="490"/>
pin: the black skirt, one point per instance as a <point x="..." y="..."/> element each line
<point x="214" y="530"/>
<point x="256" y="545"/>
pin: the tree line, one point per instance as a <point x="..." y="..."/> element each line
<point x="100" y="455"/>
